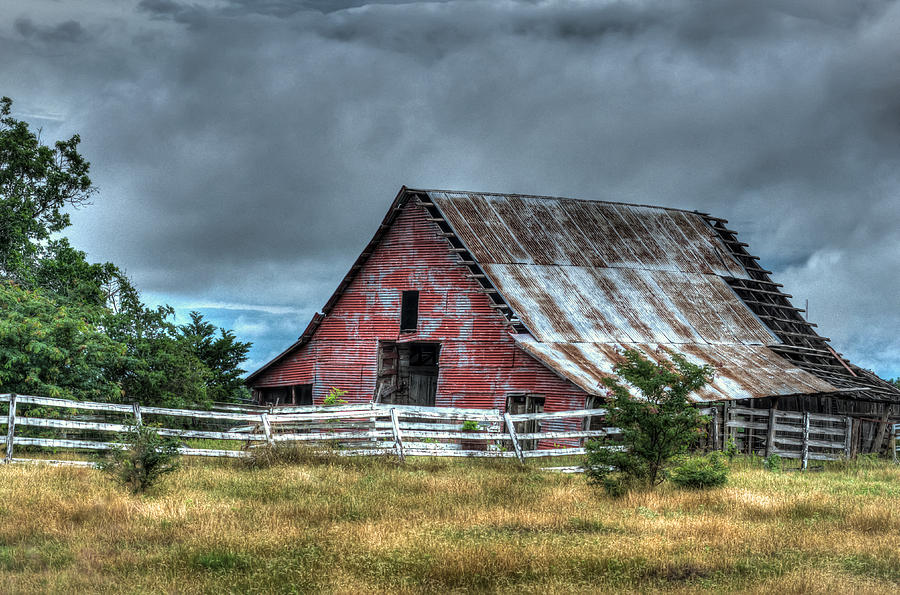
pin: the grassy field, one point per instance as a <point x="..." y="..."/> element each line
<point x="355" y="526"/>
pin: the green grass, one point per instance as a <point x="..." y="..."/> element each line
<point x="358" y="526"/>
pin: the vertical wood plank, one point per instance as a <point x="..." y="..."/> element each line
<point x="398" y="437"/>
<point x="11" y="428"/>
<point x="714" y="427"/>
<point x="804" y="455"/>
<point x="770" y="434"/>
<point x="848" y="435"/>
<point x="267" y="427"/>
<point x="511" y="428"/>
<point x="136" y="408"/>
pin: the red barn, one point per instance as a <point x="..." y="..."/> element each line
<point x="521" y="303"/>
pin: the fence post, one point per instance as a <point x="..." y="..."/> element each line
<point x="714" y="427"/>
<point x="804" y="456"/>
<point x="136" y="407"/>
<point x="770" y="435"/>
<point x="511" y="428"/>
<point x="895" y="429"/>
<point x="10" y="428"/>
<point x="267" y="428"/>
<point x="848" y="436"/>
<point x="398" y="438"/>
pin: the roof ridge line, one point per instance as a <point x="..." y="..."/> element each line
<point x="549" y="197"/>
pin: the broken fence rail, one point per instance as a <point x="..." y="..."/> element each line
<point x="358" y="429"/>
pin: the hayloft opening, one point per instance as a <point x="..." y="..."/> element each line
<point x="409" y="311"/>
<point x="407" y="373"/>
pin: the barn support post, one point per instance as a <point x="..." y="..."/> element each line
<point x="854" y="438"/>
<point x="770" y="434"/>
<point x="398" y="437"/>
<point x="749" y="433"/>
<point x="10" y="428"/>
<point x="267" y="427"/>
<point x="804" y="456"/>
<point x="136" y="408"/>
<point x="511" y="428"/>
<point x="878" y="445"/>
<point x="895" y="430"/>
<point x="848" y="435"/>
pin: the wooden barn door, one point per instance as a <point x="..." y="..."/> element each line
<point x="526" y="403"/>
<point x="388" y="366"/>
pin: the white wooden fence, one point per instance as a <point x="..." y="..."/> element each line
<point x="358" y="429"/>
<point x="790" y="434"/>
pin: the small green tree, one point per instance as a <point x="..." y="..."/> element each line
<point x="148" y="457"/>
<point x="656" y="425"/>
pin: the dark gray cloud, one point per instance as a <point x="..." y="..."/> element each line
<point x="246" y="150"/>
<point x="65" y="32"/>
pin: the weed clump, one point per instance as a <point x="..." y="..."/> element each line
<point x="147" y="457"/>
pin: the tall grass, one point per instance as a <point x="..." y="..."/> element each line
<point x="362" y="526"/>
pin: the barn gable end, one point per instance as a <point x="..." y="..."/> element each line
<point x="479" y="363"/>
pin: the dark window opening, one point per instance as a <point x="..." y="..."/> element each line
<point x="407" y="373"/>
<point x="409" y="310"/>
<point x="298" y="394"/>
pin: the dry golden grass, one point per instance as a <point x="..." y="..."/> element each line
<point x="372" y="526"/>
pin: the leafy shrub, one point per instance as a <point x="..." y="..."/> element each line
<point x="730" y="450"/>
<point x="469" y="425"/>
<point x="147" y="457"/>
<point x="700" y="473"/>
<point x="657" y="425"/>
<point x="773" y="463"/>
<point x="335" y="396"/>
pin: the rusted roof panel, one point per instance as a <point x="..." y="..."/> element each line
<point x="514" y="229"/>
<point x="600" y="305"/>
<point x="741" y="371"/>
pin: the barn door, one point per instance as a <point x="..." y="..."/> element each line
<point x="526" y="403"/>
<point x="388" y="365"/>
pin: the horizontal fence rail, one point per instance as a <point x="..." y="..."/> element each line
<point x="46" y="423"/>
<point x="790" y="434"/>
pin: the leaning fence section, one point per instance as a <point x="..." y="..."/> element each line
<point x="790" y="434"/>
<point x="63" y="431"/>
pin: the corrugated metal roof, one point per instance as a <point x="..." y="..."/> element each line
<point x="588" y="278"/>
<point x="513" y="229"/>
<point x="741" y="371"/>
<point x="609" y="305"/>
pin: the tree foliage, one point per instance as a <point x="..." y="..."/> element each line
<point x="656" y="425"/>
<point x="36" y="183"/>
<point x="55" y="350"/>
<point x="221" y="353"/>
<point x="69" y="327"/>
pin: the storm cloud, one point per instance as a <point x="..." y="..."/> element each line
<point x="246" y="150"/>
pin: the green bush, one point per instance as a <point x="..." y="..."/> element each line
<point x="656" y="424"/>
<point x="699" y="473"/>
<point x="147" y="457"/>
<point x="773" y="463"/>
<point x="469" y="425"/>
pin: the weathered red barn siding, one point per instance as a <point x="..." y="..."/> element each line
<point x="479" y="364"/>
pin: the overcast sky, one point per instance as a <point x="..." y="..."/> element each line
<point x="246" y="150"/>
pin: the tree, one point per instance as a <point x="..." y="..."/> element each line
<point x="56" y="298"/>
<point x="36" y="183"/>
<point x="656" y="425"/>
<point x="222" y="354"/>
<point x="55" y="350"/>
